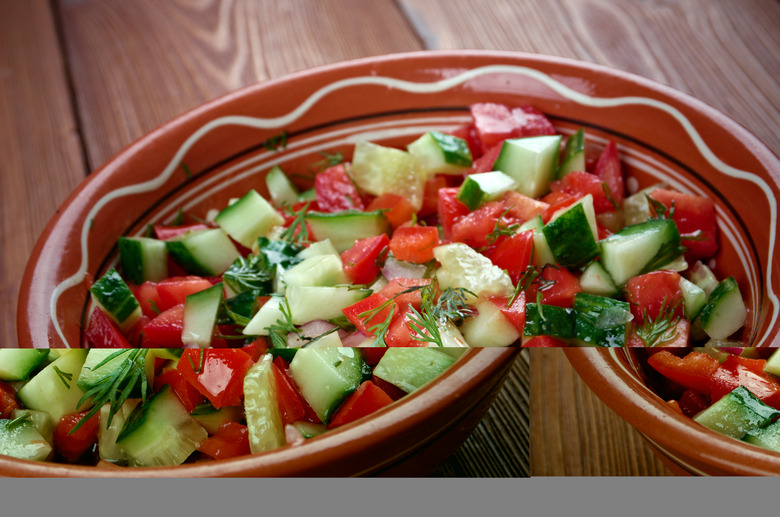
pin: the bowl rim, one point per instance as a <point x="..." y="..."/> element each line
<point x="664" y="428"/>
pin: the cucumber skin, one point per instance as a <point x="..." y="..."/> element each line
<point x="112" y="293"/>
<point x="548" y="320"/>
<point x="569" y="246"/>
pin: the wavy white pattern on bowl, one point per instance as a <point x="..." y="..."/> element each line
<point x="281" y="122"/>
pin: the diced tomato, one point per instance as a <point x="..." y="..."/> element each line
<point x="174" y="290"/>
<point x="515" y="312"/>
<point x="230" y="441"/>
<point x="362" y="262"/>
<point x="414" y="243"/>
<point x="287" y="396"/>
<point x="148" y="298"/>
<point x="694" y="371"/>
<point x="555" y="202"/>
<point x="165" y="233"/>
<point x="73" y="445"/>
<point x="733" y="373"/>
<point x="544" y="342"/>
<point x="101" y="332"/>
<point x="469" y="134"/>
<point x="392" y="390"/>
<point x="217" y="373"/>
<point x="557" y="286"/>
<point x="370" y="312"/>
<point x="654" y="293"/>
<point x="395" y="290"/>
<point x="495" y="122"/>
<point x="450" y="209"/>
<point x="609" y="169"/>
<point x="485" y="162"/>
<point x="364" y="401"/>
<point x="308" y="413"/>
<point x="679" y="336"/>
<point x="398" y="209"/>
<point x="691" y="403"/>
<point x="256" y="349"/>
<point x="522" y="207"/>
<point x="430" y="204"/>
<point x="580" y="184"/>
<point x="164" y="331"/>
<point x="695" y="217"/>
<point x="336" y="191"/>
<point x="514" y="254"/>
<point x="8" y="400"/>
<point x="400" y="332"/>
<point x="372" y="354"/>
<point x="189" y="396"/>
<point x="475" y="228"/>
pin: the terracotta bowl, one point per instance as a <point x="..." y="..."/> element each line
<point x="687" y="448"/>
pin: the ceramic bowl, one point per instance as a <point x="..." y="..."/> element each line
<point x="687" y="448"/>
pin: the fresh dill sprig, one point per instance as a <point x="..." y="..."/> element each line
<point x="452" y="305"/>
<point x="662" y="329"/>
<point x="276" y="142"/>
<point x="608" y="192"/>
<point x="278" y="331"/>
<point x="18" y="421"/>
<point x="297" y="232"/>
<point x="65" y="377"/>
<point x="659" y="210"/>
<point x="379" y="330"/>
<point x="502" y="229"/>
<point x="329" y="160"/>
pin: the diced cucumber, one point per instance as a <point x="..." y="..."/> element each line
<point x="773" y="363"/>
<point x="452" y="339"/>
<point x="596" y="280"/>
<point x="725" y="311"/>
<point x="573" y="154"/>
<point x="280" y="188"/>
<point x="325" y="340"/>
<point x="143" y="259"/>
<point x="108" y="432"/>
<point x="211" y="418"/>
<point x="18" y="364"/>
<point x="318" y="270"/>
<point x="268" y="314"/>
<point x="767" y="437"/>
<point x="489" y="327"/>
<point x="636" y="207"/>
<point x="40" y="419"/>
<point x="54" y="388"/>
<point x="160" y="432"/>
<point x="263" y="418"/>
<point x="702" y="276"/>
<point x="327" y="376"/>
<point x="200" y="316"/>
<point x="378" y="169"/>
<point x="411" y="368"/>
<point x="323" y="247"/>
<point x="203" y="252"/>
<point x="344" y="228"/>
<point x="736" y="413"/>
<point x="531" y="161"/>
<point x="464" y="267"/>
<point x="640" y="248"/>
<point x="482" y="187"/>
<point x="572" y="233"/>
<point x="694" y="298"/>
<point x="321" y="303"/>
<point x="439" y="153"/>
<point x="600" y="321"/>
<point x="115" y="298"/>
<point x="250" y="217"/>
<point x="548" y="320"/>
<point x="542" y="252"/>
<point x="103" y="363"/>
<point x="20" y="438"/>
<point x="309" y="430"/>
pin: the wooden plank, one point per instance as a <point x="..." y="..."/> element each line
<point x="138" y="64"/>
<point x="40" y="148"/>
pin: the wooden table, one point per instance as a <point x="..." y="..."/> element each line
<point x="81" y="79"/>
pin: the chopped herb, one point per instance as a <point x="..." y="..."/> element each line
<point x="501" y="229"/>
<point x="65" y="377"/>
<point x="178" y="220"/>
<point x="659" y="210"/>
<point x="329" y="160"/>
<point x="297" y="232"/>
<point x="19" y="421"/>
<point x="276" y="142"/>
<point x="608" y="192"/>
<point x="661" y="330"/>
<point x="451" y="306"/>
<point x="186" y="170"/>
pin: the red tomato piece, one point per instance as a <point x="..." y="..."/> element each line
<point x="164" y="331"/>
<point x="8" y="400"/>
<point x="360" y="313"/>
<point x="580" y="184"/>
<point x="189" y="396"/>
<point x="680" y="335"/>
<point x="362" y="262"/>
<point x="400" y="332"/>
<point x="230" y="441"/>
<point x="496" y="122"/>
<point x="485" y="162"/>
<point x="372" y="354"/>
<point x="557" y="286"/>
<point x="287" y="396"/>
<point x="165" y="233"/>
<point x="694" y="216"/>
<point x="149" y="299"/>
<point x="514" y="254"/>
<point x="101" y="332"/>
<point x="652" y="293"/>
<point x="515" y="312"/>
<point x="256" y="349"/>
<point x="474" y="228"/>
<point x="174" y="290"/>
<point x="469" y="134"/>
<point x="733" y="373"/>
<point x="414" y="243"/>
<point x="522" y="207"/>
<point x="609" y="169"/>
<point x="73" y="445"/>
<point x="430" y="204"/>
<point x="365" y="400"/>
<point x="398" y="209"/>
<point x="692" y="403"/>
<point x="336" y="191"/>
<point x="450" y="209"/>
<point x="217" y="373"/>
<point x="556" y="201"/>
<point x="405" y="291"/>
<point x="694" y="371"/>
<point x="544" y="342"/>
<point x="308" y="413"/>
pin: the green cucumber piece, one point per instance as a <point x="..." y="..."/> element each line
<point x="250" y="217"/>
<point x="344" y="228"/>
<point x="377" y="170"/>
<point x="412" y="368"/>
<point x="531" y="161"/>
<point x="143" y="258"/>
<point x="108" y="432"/>
<point x="640" y="248"/>
<point x="440" y="153"/>
<point x="736" y="413"/>
<point x="542" y="253"/>
<point x="103" y="363"/>
<point x="548" y="320"/>
<point x="309" y="430"/>
<point x="327" y="376"/>
<point x="54" y="389"/>
<point x="702" y="276"/>
<point x="280" y="188"/>
<point x="115" y="298"/>
<point x="18" y="364"/>
<point x="572" y="233"/>
<point x="462" y="266"/>
<point x="200" y="316"/>
<point x="317" y="270"/>
<point x="268" y="314"/>
<point x="20" y="438"/>
<point x="725" y="311"/>
<point x="263" y="418"/>
<point x="596" y="280"/>
<point x="482" y="187"/>
<point x="321" y="303"/>
<point x="489" y="327"/>
<point x="636" y="207"/>
<point x="40" y="419"/>
<point x="773" y="363"/>
<point x="600" y="321"/>
<point x="694" y="298"/>
<point x="573" y="154"/>
<point x="211" y="418"/>
<point x="323" y="247"/>
<point x="160" y="432"/>
<point x="203" y="252"/>
<point x="767" y="437"/>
